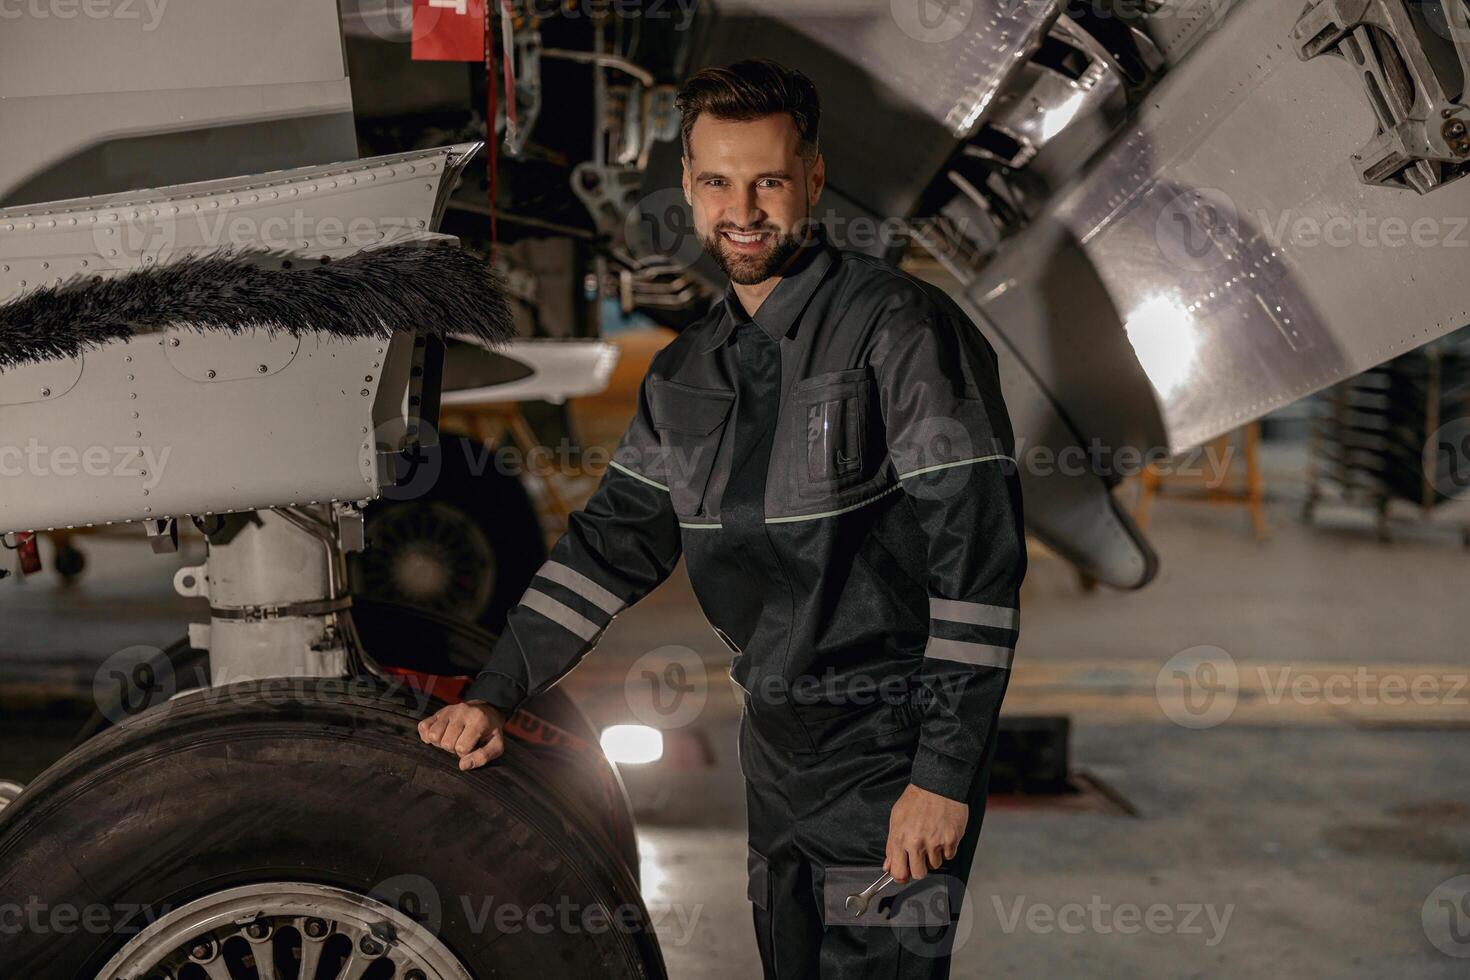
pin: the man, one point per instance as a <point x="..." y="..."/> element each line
<point x="829" y="451"/>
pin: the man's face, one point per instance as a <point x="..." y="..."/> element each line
<point x="750" y="192"/>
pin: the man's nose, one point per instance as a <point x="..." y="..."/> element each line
<point x="744" y="211"/>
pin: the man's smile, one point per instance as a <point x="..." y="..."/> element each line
<point x="746" y="241"/>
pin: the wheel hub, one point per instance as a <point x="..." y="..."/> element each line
<point x="285" y="931"/>
<point x="431" y="554"/>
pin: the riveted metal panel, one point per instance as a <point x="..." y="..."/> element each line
<point x="214" y="358"/>
<point x="1240" y="257"/>
<point x="1176" y="26"/>
<point x="138" y="438"/>
<point x="40" y="382"/>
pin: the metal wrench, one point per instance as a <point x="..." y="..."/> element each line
<point x="858" y="904"/>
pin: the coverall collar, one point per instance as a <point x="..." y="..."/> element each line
<point x="778" y="314"/>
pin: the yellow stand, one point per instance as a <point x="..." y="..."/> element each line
<point x="1214" y="485"/>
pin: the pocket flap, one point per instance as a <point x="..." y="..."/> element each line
<point x="685" y="408"/>
<point x="848" y="378"/>
<point x="758" y="882"/>
<point x="917" y="903"/>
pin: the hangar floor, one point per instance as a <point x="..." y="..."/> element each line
<point x="1304" y="834"/>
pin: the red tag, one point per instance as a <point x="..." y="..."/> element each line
<point x="30" y="553"/>
<point x="449" y="30"/>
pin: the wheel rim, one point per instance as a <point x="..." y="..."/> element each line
<point x="432" y="555"/>
<point x="295" y="930"/>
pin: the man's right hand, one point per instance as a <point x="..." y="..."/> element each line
<point x="471" y="730"/>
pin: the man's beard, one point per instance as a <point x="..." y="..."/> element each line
<point x="747" y="270"/>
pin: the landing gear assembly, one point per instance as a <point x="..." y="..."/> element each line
<point x="236" y="822"/>
<point x="270" y="813"/>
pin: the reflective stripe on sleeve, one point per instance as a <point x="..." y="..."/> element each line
<point x="582" y="585"/>
<point x="974" y="613"/>
<point x="560" y="614"/>
<point x="975" y="654"/>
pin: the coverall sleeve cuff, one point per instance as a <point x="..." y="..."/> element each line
<point x="497" y="690"/>
<point x="943" y="774"/>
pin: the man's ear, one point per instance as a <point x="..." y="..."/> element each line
<point x="816" y="180"/>
<point x="684" y="180"/>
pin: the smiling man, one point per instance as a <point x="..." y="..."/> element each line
<point x="829" y="451"/>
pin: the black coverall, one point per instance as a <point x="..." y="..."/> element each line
<point x="837" y="473"/>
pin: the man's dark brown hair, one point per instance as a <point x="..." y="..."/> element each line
<point x="751" y="89"/>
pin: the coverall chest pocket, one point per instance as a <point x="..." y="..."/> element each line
<point x="830" y="432"/>
<point x="691" y="422"/>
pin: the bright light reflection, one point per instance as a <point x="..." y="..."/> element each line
<point x="651" y="870"/>
<point x="1053" y="121"/>
<point x="632" y="744"/>
<point x="1163" y="336"/>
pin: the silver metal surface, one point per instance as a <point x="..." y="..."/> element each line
<point x="858" y="904"/>
<point x="945" y="60"/>
<point x="187" y="424"/>
<point x="559" y="369"/>
<point x="300" y="916"/>
<point x="1059" y="122"/>
<point x="1413" y="67"/>
<point x="261" y="573"/>
<point x="102" y="98"/>
<point x="1226" y="245"/>
<point x="1176" y="26"/>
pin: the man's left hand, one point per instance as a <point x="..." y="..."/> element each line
<point x="924" y="831"/>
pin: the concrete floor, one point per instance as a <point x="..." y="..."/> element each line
<point x="1299" y="826"/>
